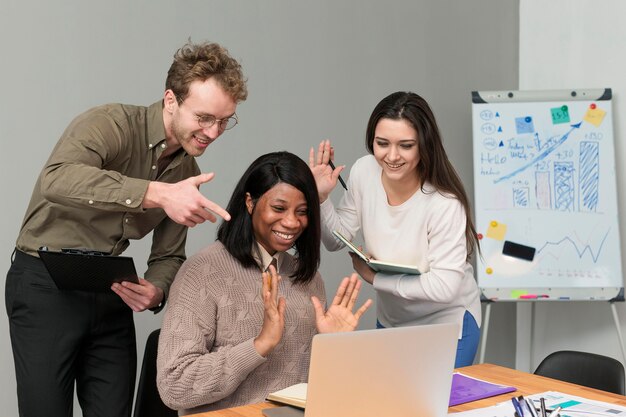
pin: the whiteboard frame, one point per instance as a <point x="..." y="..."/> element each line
<point x="609" y="293"/>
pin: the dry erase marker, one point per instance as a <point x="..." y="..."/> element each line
<point x="343" y="184"/>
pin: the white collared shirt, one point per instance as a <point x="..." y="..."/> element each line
<point x="264" y="259"/>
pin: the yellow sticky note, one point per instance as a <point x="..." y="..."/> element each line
<point x="496" y="230"/>
<point x="594" y="116"/>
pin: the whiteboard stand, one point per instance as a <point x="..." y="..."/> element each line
<point x="618" y="298"/>
<point x="485" y="328"/>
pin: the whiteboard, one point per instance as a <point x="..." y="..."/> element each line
<point x="545" y="195"/>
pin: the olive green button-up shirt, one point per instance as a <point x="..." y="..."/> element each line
<point x="90" y="191"/>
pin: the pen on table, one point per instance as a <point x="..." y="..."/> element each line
<point x="343" y="184"/>
<point x="518" y="408"/>
<point x="555" y="412"/>
<point x="531" y="407"/>
<point x="543" y="407"/>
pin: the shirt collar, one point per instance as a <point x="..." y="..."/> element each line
<point x="156" y="128"/>
<point x="264" y="259"/>
<point x="156" y="134"/>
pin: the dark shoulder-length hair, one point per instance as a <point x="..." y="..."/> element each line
<point x="237" y="235"/>
<point x="434" y="165"/>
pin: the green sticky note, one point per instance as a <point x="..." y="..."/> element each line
<point x="560" y="115"/>
<point x="517" y="293"/>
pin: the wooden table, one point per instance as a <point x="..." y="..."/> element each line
<point x="525" y="383"/>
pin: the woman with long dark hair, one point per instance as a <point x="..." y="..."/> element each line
<point x="233" y="332"/>
<point x="411" y="207"/>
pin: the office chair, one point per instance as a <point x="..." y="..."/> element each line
<point x="148" y="402"/>
<point x="583" y="368"/>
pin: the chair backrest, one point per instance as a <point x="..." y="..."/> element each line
<point x="148" y="402"/>
<point x="583" y="368"/>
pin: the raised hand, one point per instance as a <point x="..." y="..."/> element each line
<point x="339" y="316"/>
<point x="274" y="315"/>
<point x="183" y="202"/>
<point x="325" y="177"/>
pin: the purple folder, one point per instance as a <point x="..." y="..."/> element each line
<point x="466" y="389"/>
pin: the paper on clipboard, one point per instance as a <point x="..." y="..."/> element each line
<point x="378" y="265"/>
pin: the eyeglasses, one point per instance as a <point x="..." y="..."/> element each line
<point x="223" y="124"/>
<point x="209" y="120"/>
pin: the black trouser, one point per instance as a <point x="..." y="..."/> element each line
<point x="64" y="337"/>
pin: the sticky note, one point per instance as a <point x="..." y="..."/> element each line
<point x="496" y="230"/>
<point x="560" y="115"/>
<point x="517" y="293"/>
<point x="524" y="125"/>
<point x="594" y="116"/>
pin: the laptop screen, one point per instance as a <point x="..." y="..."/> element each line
<point x="405" y="371"/>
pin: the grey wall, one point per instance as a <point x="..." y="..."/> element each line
<point x="315" y="70"/>
<point x="580" y="44"/>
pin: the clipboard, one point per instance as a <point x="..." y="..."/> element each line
<point x="87" y="270"/>
<point x="378" y="265"/>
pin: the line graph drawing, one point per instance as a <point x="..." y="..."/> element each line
<point x="580" y="251"/>
<point x="541" y="156"/>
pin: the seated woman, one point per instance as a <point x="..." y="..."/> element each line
<point x="228" y="338"/>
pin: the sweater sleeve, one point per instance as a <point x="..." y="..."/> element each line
<point x="345" y="218"/>
<point x="447" y="254"/>
<point x="189" y="372"/>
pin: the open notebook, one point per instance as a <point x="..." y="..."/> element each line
<point x="378" y="265"/>
<point x="409" y="369"/>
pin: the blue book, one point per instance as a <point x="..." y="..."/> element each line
<point x="466" y="389"/>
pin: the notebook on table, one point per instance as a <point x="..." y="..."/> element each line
<point x="403" y="371"/>
<point x="466" y="389"/>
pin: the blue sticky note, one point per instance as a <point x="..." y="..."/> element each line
<point x="560" y="115"/>
<point x="524" y="125"/>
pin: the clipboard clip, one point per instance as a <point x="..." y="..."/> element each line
<point x="84" y="251"/>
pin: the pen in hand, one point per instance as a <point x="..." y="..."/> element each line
<point x="343" y="184"/>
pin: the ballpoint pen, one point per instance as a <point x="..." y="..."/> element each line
<point x="518" y="407"/>
<point x="543" y="407"/>
<point x="531" y="407"/>
<point x="555" y="412"/>
<point x="343" y="184"/>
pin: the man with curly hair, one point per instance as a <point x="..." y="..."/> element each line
<point x="117" y="173"/>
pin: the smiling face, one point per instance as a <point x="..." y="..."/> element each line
<point x="396" y="150"/>
<point x="205" y="98"/>
<point x="279" y="217"/>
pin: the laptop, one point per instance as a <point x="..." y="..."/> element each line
<point x="403" y="371"/>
